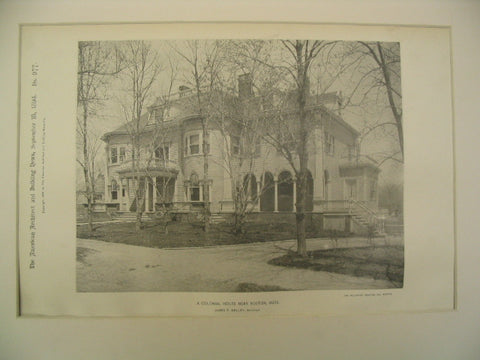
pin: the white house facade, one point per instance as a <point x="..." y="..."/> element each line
<point x="169" y="166"/>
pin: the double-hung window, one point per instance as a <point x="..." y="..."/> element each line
<point x="194" y="144"/>
<point x="114" y="188"/>
<point x="194" y="188"/>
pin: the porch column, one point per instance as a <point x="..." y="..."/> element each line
<point x="187" y="192"/>
<point x="275" y="203"/>
<point x="365" y="191"/>
<point x="294" y="193"/>
<point x="128" y="195"/>
<point x="107" y="177"/>
<point x="147" y="209"/>
<point x="154" y="193"/>
<point x="120" y="196"/>
<point x="258" y="196"/>
<point x="174" y="195"/>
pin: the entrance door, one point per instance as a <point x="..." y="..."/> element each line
<point x="350" y="189"/>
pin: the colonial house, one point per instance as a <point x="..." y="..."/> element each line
<point x="167" y="163"/>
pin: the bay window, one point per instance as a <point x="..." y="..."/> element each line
<point x="194" y="143"/>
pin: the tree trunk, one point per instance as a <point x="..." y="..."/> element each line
<point x="86" y="174"/>
<point x="391" y="101"/>
<point x="302" y="81"/>
<point x="140" y="202"/>
<point x="300" y="217"/>
<point x="206" y="188"/>
<point x="239" y="219"/>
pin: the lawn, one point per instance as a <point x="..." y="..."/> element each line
<point x="186" y="234"/>
<point x="378" y="262"/>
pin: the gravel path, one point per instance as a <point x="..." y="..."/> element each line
<point x="111" y="267"/>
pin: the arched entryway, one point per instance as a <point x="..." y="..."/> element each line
<point x="267" y="196"/>
<point x="285" y="191"/>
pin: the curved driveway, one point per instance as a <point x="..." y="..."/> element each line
<point x="111" y="267"/>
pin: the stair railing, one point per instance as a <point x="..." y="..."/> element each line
<point x="377" y="221"/>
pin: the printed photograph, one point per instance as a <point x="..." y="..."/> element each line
<point x="239" y="166"/>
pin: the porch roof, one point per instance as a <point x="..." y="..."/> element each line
<point x="154" y="167"/>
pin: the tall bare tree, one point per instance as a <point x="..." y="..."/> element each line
<point x="291" y="127"/>
<point x="97" y="63"/>
<point x="141" y="71"/>
<point x="241" y="127"/>
<point x="379" y="85"/>
<point x="203" y="62"/>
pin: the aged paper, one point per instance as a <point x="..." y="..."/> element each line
<point x="48" y="178"/>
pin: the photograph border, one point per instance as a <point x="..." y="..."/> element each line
<point x="365" y="305"/>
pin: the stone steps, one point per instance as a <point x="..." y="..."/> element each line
<point x="217" y="219"/>
<point x="363" y="221"/>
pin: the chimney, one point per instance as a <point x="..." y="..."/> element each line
<point x="245" y="86"/>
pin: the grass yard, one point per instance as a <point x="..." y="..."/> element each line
<point x="252" y="287"/>
<point x="378" y="262"/>
<point x="185" y="234"/>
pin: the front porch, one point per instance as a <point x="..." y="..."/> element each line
<point x="144" y="184"/>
